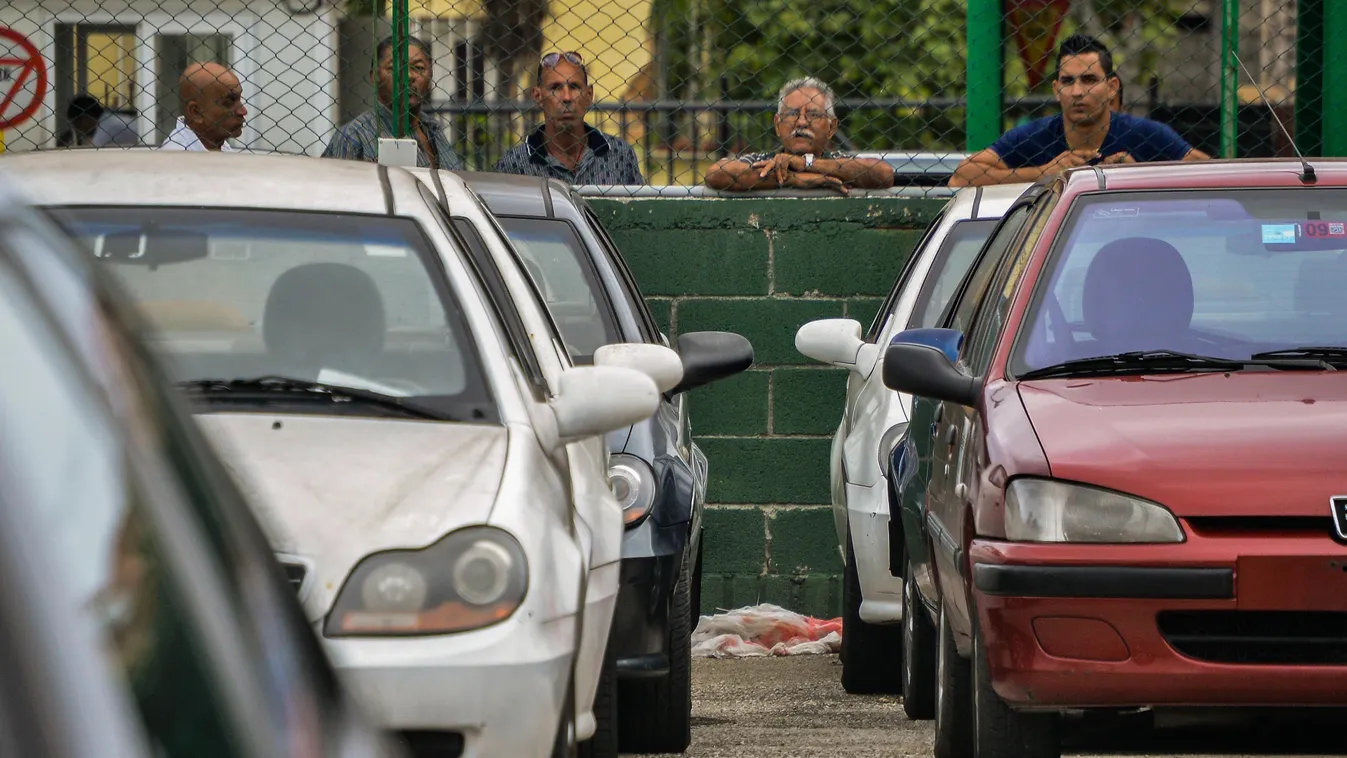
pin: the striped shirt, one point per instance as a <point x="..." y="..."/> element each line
<point x="358" y="139"/>
<point x="606" y="160"/>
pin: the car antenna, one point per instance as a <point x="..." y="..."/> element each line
<point x="1307" y="176"/>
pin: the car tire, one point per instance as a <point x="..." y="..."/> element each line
<point x="604" y="743"/>
<point x="953" y="696"/>
<point x="656" y="716"/>
<point x="871" y="654"/>
<point x="1000" y="731"/>
<point x="919" y="649"/>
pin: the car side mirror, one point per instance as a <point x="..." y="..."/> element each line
<point x="655" y="361"/>
<point x="711" y="356"/>
<point x="837" y="341"/>
<point x="947" y="341"/>
<point x="594" y="400"/>
<point x="927" y="371"/>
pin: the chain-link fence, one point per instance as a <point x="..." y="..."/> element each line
<point x="684" y="83"/>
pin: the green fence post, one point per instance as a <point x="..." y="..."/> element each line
<point x="401" y="32"/>
<point x="1309" y="76"/>
<point x="1334" y="113"/>
<point x="986" y="73"/>
<point x="1229" y="77"/>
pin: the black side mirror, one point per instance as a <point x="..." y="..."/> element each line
<point x="928" y="372"/>
<point x="710" y="356"/>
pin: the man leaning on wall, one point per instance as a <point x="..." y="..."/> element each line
<point x="805" y="121"/>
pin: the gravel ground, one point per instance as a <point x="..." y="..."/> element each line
<point x="795" y="707"/>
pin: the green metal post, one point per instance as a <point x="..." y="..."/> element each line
<point x="401" y="32"/>
<point x="1335" y="70"/>
<point x="1310" y="76"/>
<point x="986" y="72"/>
<point x="1229" y="77"/>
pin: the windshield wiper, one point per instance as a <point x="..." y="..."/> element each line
<point x="336" y="393"/>
<point x="1164" y="361"/>
<point x="1329" y="355"/>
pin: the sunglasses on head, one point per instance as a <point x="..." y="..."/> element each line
<point x="551" y="59"/>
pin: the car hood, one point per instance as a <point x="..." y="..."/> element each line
<point x="1239" y="444"/>
<point x="331" y="490"/>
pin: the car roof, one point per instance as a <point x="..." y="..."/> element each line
<point x="1237" y="173"/>
<point x="218" y="180"/>
<point x="516" y="195"/>
<point x="987" y="202"/>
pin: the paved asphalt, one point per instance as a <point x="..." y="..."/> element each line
<point x="795" y="708"/>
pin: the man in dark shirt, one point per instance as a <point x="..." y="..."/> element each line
<point x="805" y="123"/>
<point x="565" y="147"/>
<point x="358" y="139"/>
<point x="1088" y="131"/>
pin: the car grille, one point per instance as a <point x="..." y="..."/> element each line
<point x="438" y="744"/>
<point x="295" y="572"/>
<point x="1258" y="637"/>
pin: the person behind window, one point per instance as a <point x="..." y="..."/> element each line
<point x="1088" y="131"/>
<point x="565" y="147"/>
<point x="212" y="110"/>
<point x="805" y="123"/>
<point x="93" y="125"/>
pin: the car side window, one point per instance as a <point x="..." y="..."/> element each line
<point x="985" y="328"/>
<point x="899" y="284"/>
<point x="649" y="329"/>
<point x="974" y="286"/>
<point x="89" y="498"/>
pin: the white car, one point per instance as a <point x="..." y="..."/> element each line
<point x="874" y="420"/>
<point x="424" y="456"/>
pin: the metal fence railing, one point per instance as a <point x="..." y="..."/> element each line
<point x="684" y="82"/>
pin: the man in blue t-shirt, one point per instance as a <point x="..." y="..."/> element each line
<point x="1087" y="132"/>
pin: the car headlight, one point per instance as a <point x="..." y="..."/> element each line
<point x="633" y="485"/>
<point x="472" y="578"/>
<point x="1043" y="510"/>
<point x="892" y="436"/>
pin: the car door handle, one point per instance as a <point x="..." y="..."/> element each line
<point x="939" y="412"/>
<point x="952" y="436"/>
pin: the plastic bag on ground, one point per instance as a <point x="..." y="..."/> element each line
<point x="764" y="630"/>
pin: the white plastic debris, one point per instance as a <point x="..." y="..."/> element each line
<point x="764" y="630"/>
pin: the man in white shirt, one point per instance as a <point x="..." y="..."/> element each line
<point x="212" y="109"/>
<point x="92" y="124"/>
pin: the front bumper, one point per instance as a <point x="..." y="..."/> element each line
<point x="1231" y="620"/>
<point x="868" y="522"/>
<point x="502" y="687"/>
<point x="652" y="556"/>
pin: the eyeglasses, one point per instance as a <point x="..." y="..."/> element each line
<point x="790" y="114"/>
<point x="551" y="59"/>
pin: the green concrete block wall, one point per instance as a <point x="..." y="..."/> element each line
<point x="762" y="267"/>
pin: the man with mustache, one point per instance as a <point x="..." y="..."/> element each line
<point x="212" y="110"/>
<point x="805" y="122"/>
<point x="565" y="147"/>
<point x="358" y="139"/>
<point x="1088" y="131"/>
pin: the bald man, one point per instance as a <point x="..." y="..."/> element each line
<point x="212" y="109"/>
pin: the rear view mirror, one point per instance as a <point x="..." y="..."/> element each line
<point x="837" y="341"/>
<point x="947" y="341"/>
<point x="711" y="356"/>
<point x="927" y="371"/>
<point x="152" y="246"/>
<point x="655" y="361"/>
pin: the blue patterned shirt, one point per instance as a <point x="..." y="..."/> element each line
<point x="358" y="139"/>
<point x="606" y="160"/>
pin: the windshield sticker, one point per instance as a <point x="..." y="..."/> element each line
<point x="1275" y="234"/>
<point x="1322" y="229"/>
<point x="385" y="251"/>
<point x="1128" y="212"/>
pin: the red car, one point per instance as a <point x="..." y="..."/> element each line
<point x="1138" y="491"/>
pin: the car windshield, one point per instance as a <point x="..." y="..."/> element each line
<point x="558" y="262"/>
<point x="1222" y="273"/>
<point x="342" y="300"/>
<point x="956" y="255"/>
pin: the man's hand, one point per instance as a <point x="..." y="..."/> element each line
<point x="1069" y="159"/>
<point x="780" y="164"/>
<point x="814" y="180"/>
<point x="1123" y="157"/>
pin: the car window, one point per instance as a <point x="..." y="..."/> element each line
<point x="899" y="284"/>
<point x="342" y="299"/>
<point x="952" y="262"/>
<point x="1225" y="273"/>
<point x="630" y="289"/>
<point x="986" y="326"/>
<point x="80" y="487"/>
<point x="960" y="312"/>
<point x="557" y="260"/>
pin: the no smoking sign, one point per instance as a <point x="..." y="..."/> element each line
<point x="23" y="79"/>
